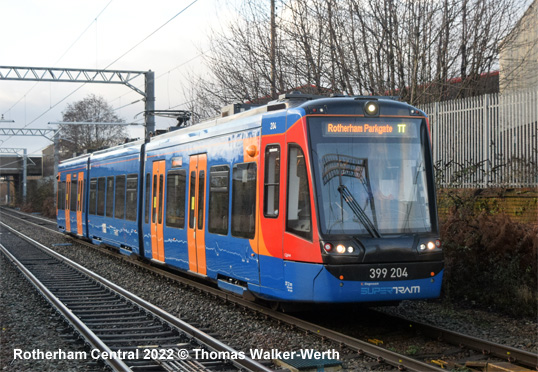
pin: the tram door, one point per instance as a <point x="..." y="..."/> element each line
<point x="196" y="226"/>
<point x="157" y="206"/>
<point x="68" y="203"/>
<point x="80" y="200"/>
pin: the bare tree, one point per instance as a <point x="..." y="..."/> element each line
<point x="203" y="102"/>
<point x="421" y="50"/>
<point x="77" y="138"/>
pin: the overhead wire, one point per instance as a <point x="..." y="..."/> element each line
<point x="151" y="34"/>
<point x="59" y="59"/>
<point x="116" y="60"/>
<point x="160" y="76"/>
<point x="130" y="50"/>
<point x="63" y="55"/>
<point x="85" y="30"/>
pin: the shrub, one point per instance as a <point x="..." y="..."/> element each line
<point x="40" y="198"/>
<point x="490" y="260"/>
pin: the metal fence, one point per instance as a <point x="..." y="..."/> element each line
<point x="486" y="141"/>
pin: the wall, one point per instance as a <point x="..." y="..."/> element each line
<point x="521" y="205"/>
<point x="519" y="54"/>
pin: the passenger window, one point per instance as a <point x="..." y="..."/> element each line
<point x="148" y="197"/>
<point x="244" y="200"/>
<point x="201" y="196"/>
<point x="109" y="196"/>
<point x="161" y="191"/>
<point x="80" y="204"/>
<point x="298" y="219"/>
<point x="101" y="183"/>
<point x="219" y="198"/>
<point x="61" y="195"/>
<point x="154" y="200"/>
<point x="93" y="196"/>
<point x="175" y="198"/>
<point x="192" y="199"/>
<point x="119" y="202"/>
<point x="132" y="196"/>
<point x="67" y="194"/>
<point x="73" y="196"/>
<point x="272" y="181"/>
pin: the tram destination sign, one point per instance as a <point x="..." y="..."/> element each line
<point x="352" y="128"/>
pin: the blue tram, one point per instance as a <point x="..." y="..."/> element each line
<point x="304" y="200"/>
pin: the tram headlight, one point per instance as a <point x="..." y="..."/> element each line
<point x="371" y="108"/>
<point x="431" y="245"/>
<point x="340" y="248"/>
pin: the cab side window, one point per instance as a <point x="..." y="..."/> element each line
<point x="271" y="181"/>
<point x="298" y="218"/>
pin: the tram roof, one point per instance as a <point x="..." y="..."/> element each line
<point x="251" y="118"/>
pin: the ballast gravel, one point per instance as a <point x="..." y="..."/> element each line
<point x="30" y="328"/>
<point x="244" y="330"/>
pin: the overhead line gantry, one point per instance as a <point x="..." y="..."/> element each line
<point x="125" y="77"/>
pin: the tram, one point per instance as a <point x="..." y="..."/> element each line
<point x="305" y="199"/>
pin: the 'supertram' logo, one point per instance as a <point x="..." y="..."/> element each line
<point x="390" y="290"/>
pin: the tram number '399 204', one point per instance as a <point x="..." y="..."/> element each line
<point x="393" y="272"/>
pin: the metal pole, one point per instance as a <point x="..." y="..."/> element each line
<point x="24" y="172"/>
<point x="273" y="51"/>
<point x="8" y="190"/>
<point x="486" y="139"/>
<point x="56" y="161"/>
<point x="150" y="104"/>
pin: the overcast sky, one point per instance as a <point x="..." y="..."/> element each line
<point x="93" y="34"/>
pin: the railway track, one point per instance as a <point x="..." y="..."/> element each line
<point x="382" y="355"/>
<point x="124" y="331"/>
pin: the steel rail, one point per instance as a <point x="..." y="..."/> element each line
<point x="363" y="348"/>
<point x="76" y="323"/>
<point x="29" y="215"/>
<point x="380" y="354"/>
<point x="511" y="354"/>
<point x="202" y="337"/>
<point x="508" y="353"/>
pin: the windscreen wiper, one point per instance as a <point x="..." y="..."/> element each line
<point x="359" y="212"/>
